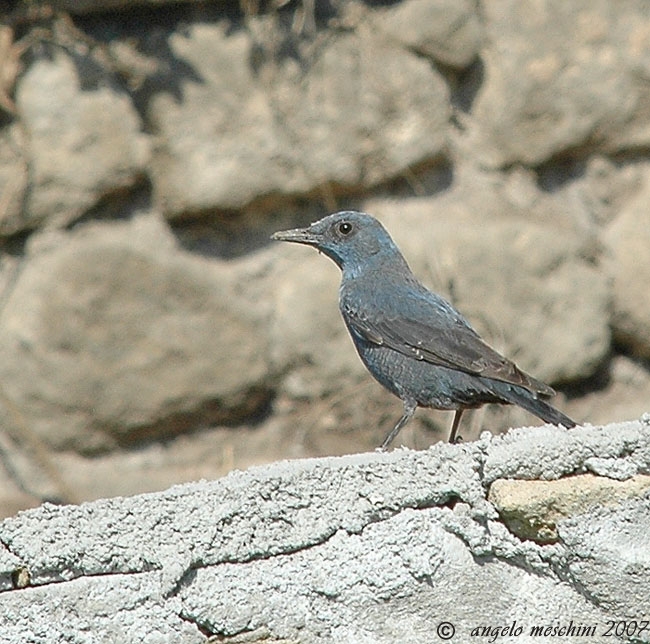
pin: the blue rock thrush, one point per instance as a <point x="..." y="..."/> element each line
<point x="411" y="340"/>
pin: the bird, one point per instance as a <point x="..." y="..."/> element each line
<point x="413" y="341"/>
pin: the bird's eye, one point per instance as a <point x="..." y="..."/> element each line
<point x="345" y="228"/>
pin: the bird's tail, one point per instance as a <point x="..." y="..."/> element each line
<point x="537" y="406"/>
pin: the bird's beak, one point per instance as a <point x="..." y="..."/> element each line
<point x="297" y="235"/>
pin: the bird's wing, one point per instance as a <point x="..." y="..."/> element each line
<point x="426" y="327"/>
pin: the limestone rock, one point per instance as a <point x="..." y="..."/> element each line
<point x="84" y="143"/>
<point x="13" y="178"/>
<point x="626" y="395"/>
<point x="628" y="238"/>
<point x="446" y="30"/>
<point x="369" y="113"/>
<point x="307" y="330"/>
<point x="113" y="335"/>
<point x="532" y="509"/>
<point x="360" y="114"/>
<point x="542" y="98"/>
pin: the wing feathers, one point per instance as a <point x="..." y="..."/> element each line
<point x="442" y="338"/>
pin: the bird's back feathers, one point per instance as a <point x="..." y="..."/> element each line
<point x="422" y="325"/>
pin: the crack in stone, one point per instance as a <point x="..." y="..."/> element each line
<point x="20" y="577"/>
<point x="190" y="571"/>
<point x="562" y="571"/>
<point x="44" y="577"/>
<point x="197" y="624"/>
<point x="475" y="534"/>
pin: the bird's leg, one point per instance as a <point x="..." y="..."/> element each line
<point x="409" y="409"/>
<point x="454" y="425"/>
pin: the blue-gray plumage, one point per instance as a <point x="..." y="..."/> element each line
<point x="411" y="340"/>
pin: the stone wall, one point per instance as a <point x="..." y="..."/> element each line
<point x="539" y="529"/>
<point x="149" y="331"/>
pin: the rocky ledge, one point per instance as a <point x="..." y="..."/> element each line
<point x="539" y="528"/>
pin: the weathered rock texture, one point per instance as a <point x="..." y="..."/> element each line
<point x="628" y="237"/>
<point x="371" y="547"/>
<point x="542" y="98"/>
<point x="115" y="318"/>
<point x="83" y="143"/>
<point x="149" y="331"/>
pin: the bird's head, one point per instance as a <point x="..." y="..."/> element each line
<point x="352" y="239"/>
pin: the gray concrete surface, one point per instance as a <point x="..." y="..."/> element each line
<point x="365" y="548"/>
